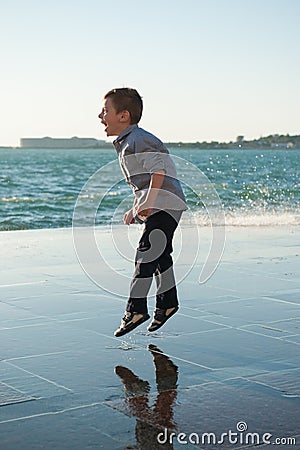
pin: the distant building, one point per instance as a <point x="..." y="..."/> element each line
<point x="283" y="145"/>
<point x="48" y="142"/>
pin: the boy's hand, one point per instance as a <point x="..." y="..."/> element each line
<point x="128" y="218"/>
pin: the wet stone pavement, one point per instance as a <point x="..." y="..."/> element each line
<point x="223" y="373"/>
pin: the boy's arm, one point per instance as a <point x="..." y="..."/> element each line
<point x="128" y="217"/>
<point x="157" y="179"/>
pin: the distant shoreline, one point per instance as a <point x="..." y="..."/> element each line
<point x="271" y="142"/>
<point x="173" y="145"/>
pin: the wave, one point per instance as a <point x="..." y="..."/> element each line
<point x="242" y="219"/>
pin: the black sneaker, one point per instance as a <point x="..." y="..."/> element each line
<point x="160" y="317"/>
<point x="130" y="321"/>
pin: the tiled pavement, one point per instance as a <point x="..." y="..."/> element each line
<point x="229" y="360"/>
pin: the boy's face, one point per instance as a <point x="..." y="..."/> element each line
<point x="114" y="122"/>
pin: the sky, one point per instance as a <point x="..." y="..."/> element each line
<point x="206" y="69"/>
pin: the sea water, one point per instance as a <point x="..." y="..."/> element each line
<point x="39" y="187"/>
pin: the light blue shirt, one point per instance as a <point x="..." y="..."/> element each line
<point x="140" y="155"/>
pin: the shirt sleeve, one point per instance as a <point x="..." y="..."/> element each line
<point x="150" y="154"/>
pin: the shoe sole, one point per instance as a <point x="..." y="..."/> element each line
<point x="157" y="326"/>
<point x="132" y="326"/>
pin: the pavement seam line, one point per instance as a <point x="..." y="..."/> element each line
<point x="41" y="378"/>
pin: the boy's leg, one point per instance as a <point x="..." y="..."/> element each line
<point x="154" y="246"/>
<point x="136" y="309"/>
<point x="151" y="246"/>
<point x="166" y="296"/>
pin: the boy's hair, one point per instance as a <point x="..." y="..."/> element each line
<point x="127" y="99"/>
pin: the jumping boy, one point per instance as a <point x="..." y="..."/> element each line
<point x="158" y="203"/>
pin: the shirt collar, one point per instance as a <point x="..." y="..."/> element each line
<point x="125" y="133"/>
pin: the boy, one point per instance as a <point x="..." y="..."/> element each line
<point x="158" y="203"/>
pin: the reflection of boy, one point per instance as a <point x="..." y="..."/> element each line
<point x="158" y="202"/>
<point x="151" y="420"/>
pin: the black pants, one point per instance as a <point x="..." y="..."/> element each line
<point x="153" y="257"/>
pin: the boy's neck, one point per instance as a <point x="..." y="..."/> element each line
<point x="125" y="128"/>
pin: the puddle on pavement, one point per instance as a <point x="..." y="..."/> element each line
<point x="214" y="407"/>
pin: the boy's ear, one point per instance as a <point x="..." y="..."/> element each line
<point x="125" y="116"/>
